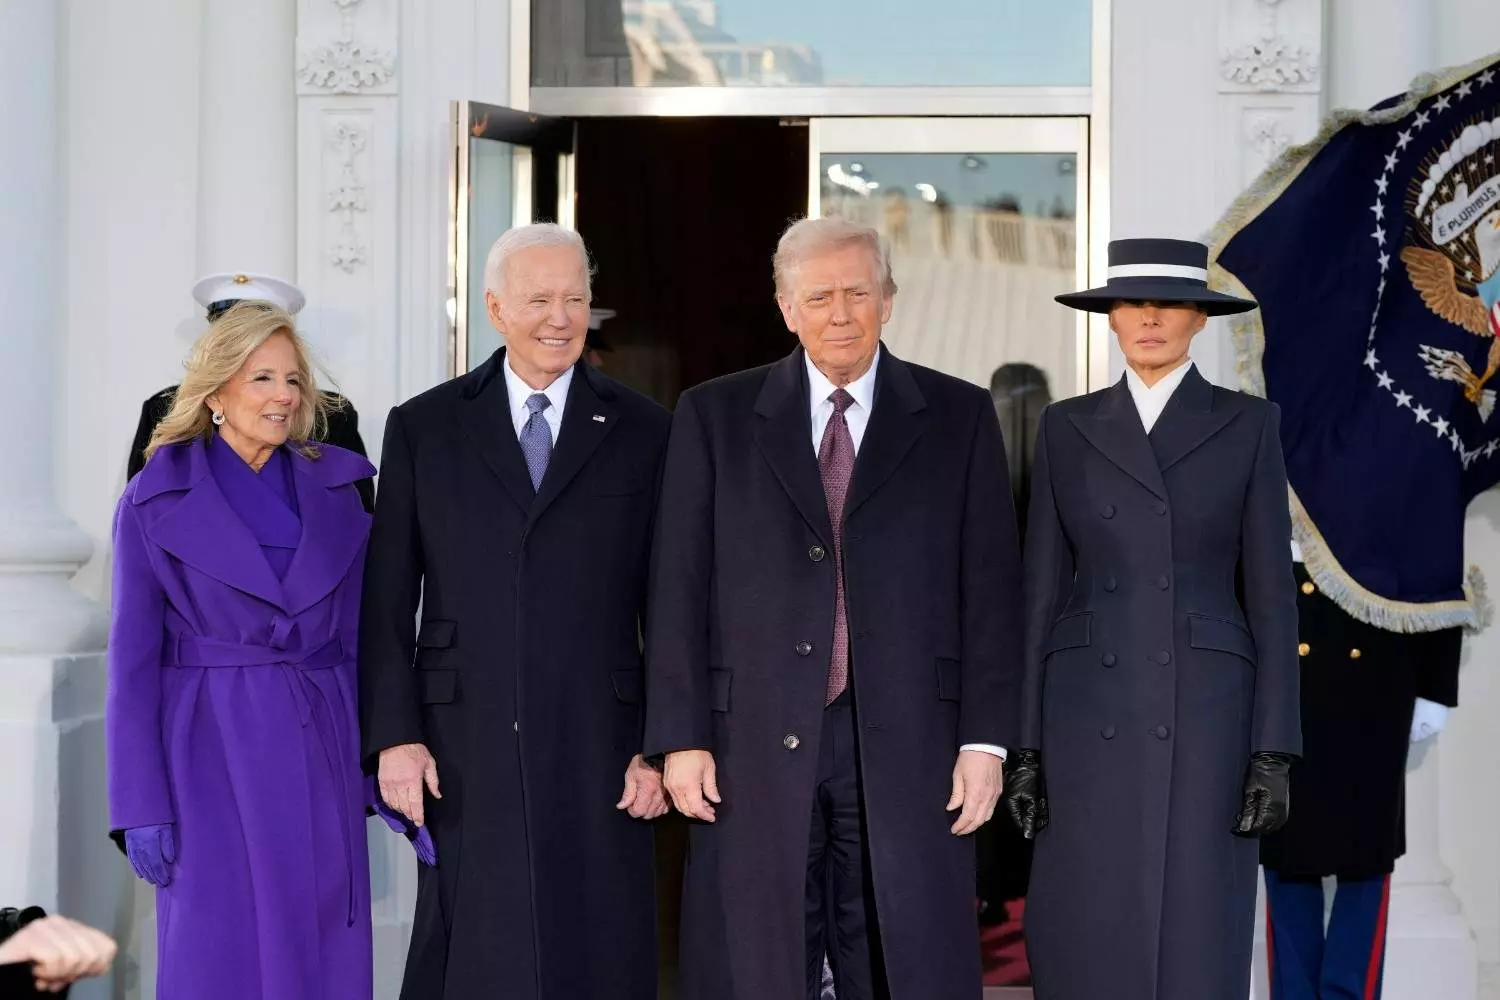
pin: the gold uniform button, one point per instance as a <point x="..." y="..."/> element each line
<point x="1303" y="649"/>
<point x="1307" y="587"/>
<point x="1355" y="654"/>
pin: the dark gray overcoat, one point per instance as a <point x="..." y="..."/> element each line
<point x="737" y="662"/>
<point x="524" y="680"/>
<point x="1162" y="651"/>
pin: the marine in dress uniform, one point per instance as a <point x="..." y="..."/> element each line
<point x="1159" y="710"/>
<point x="216" y="293"/>
<point x="1367" y="694"/>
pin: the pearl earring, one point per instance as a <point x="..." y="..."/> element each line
<point x="219" y="418"/>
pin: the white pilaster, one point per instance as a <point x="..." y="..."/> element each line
<point x="51" y="667"/>
<point x="348" y="192"/>
<point x="247" y="113"/>
<point x="1269" y="83"/>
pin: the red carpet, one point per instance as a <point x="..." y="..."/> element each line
<point x="1004" y="951"/>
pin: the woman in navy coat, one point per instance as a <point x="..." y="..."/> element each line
<point x="1160" y="704"/>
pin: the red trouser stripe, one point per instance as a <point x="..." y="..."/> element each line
<point x="1377" y="950"/>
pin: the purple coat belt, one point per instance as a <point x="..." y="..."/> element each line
<point x="297" y="665"/>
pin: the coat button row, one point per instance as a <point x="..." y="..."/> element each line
<point x="804" y="648"/>
<point x="1111" y="584"/>
<point x="1354" y="653"/>
<point x="1162" y="656"/>
<point x="1108" y="510"/>
<point x="1108" y="659"/>
<point x="1160" y="732"/>
<point x="1161" y="509"/>
<point x="1307" y="587"/>
<point x="1162" y="583"/>
<point x="791" y="742"/>
<point x="816" y="553"/>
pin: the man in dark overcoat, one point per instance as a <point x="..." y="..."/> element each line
<point x="1160" y="711"/>
<point x="515" y="506"/>
<point x="835" y="606"/>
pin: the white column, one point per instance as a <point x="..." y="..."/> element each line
<point x="50" y="636"/>
<point x="247" y="180"/>
<point x="1378" y="47"/>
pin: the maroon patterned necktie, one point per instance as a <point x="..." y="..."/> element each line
<point x="836" y="463"/>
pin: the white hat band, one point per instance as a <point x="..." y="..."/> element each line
<point x="1157" y="271"/>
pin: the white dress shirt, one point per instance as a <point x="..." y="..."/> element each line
<point x="519" y="392"/>
<point x="857" y="416"/>
<point x="1151" y="400"/>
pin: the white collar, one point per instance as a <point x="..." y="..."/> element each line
<point x="518" y="391"/>
<point x="862" y="388"/>
<point x="1164" y="386"/>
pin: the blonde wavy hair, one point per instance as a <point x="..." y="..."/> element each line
<point x="218" y="355"/>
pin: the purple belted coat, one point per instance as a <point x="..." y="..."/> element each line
<point x="231" y="715"/>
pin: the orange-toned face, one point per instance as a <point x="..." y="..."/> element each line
<point x="836" y="307"/>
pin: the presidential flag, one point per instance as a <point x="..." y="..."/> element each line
<point x="1374" y="252"/>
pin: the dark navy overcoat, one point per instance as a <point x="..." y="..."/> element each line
<point x="1162" y="651"/>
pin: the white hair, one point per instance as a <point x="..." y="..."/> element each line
<point x="541" y="234"/>
<point x="808" y="238"/>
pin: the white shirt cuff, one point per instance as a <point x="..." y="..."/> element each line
<point x="985" y="748"/>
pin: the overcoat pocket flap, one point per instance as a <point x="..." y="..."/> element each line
<point x="438" y="686"/>
<point x="629" y="684"/>
<point x="1219" y="634"/>
<point x="1069" y="633"/>
<point x="949" y="679"/>
<point x="436" y="633"/>
<point x="718" y="689"/>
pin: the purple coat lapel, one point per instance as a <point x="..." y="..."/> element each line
<point x="203" y="531"/>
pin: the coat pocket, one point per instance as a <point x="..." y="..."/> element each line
<point x="1070" y="632"/>
<point x="718" y="689"/>
<point x="949" y="679"/>
<point x="1220" y="635"/>
<point x="439" y="687"/>
<point x="434" y="638"/>
<point x="630" y="685"/>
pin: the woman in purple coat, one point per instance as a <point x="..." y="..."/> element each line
<point x="234" y="777"/>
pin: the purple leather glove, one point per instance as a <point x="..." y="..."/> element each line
<point x="420" y="837"/>
<point x="152" y="850"/>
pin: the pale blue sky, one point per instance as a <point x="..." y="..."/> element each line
<point x="925" y="42"/>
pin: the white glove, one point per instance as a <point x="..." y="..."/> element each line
<point x="1427" y="720"/>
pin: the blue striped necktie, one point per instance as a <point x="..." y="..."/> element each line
<point x="536" y="438"/>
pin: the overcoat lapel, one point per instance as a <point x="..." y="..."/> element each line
<point x="201" y="529"/>
<point x="333" y="530"/>
<point x="485" y="416"/>
<point x="784" y="436"/>
<point x="1187" y="421"/>
<point x="1115" y="429"/>
<point x="895" y="424"/>
<point x="588" y="418"/>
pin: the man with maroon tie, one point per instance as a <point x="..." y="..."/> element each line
<point x="834" y="630"/>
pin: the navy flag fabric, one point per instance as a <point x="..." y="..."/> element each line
<point x="1374" y="252"/>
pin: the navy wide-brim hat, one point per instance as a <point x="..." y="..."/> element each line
<point x="1157" y="271"/>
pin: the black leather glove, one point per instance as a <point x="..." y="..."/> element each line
<point x="1267" y="796"/>
<point x="1026" y="792"/>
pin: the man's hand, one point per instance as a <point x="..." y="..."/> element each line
<point x="691" y="782"/>
<point x="644" y="796"/>
<point x="404" y="770"/>
<point x="977" y="781"/>
<point x="60" y="951"/>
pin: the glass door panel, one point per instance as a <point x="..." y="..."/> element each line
<point x="510" y="168"/>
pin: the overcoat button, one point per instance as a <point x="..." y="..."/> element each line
<point x="1303" y="649"/>
<point x="791" y="742"/>
<point x="816" y="553"/>
<point x="1162" y="656"/>
<point x="1355" y="654"/>
<point x="1109" y="584"/>
<point x="804" y="648"/>
<point x="1108" y="659"/>
<point x="1162" y="732"/>
<point x="1108" y="732"/>
<point x="1162" y="583"/>
<point x="1108" y="511"/>
<point x="1307" y="587"/>
<point x="1161" y="509"/>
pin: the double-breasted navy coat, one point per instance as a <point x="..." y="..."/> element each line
<point x="1161" y="652"/>
<point x="741" y="623"/>
<point x="523" y="679"/>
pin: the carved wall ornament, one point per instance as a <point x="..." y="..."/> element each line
<point x="346" y="65"/>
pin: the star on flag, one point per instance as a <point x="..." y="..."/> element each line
<point x="1403" y="399"/>
<point x="1422" y="413"/>
<point x="1486" y="78"/>
<point x="1443" y="103"/>
<point x="1465" y="89"/>
<point x="1379" y="235"/>
<point x="1441" y="425"/>
<point x="1371" y="360"/>
<point x="1379" y="209"/>
<point x="1385" y="380"/>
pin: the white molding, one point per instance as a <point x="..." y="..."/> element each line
<point x="346" y="47"/>
<point x="348" y="138"/>
<point x="1271" y="45"/>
